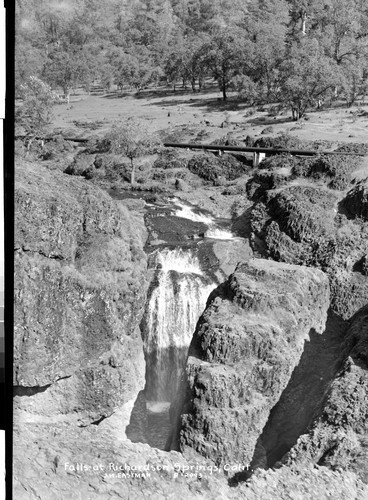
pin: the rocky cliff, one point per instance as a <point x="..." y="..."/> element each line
<point x="308" y="225"/>
<point x="244" y="350"/>
<point x="339" y="434"/>
<point x="80" y="287"/>
<point x="79" y="293"/>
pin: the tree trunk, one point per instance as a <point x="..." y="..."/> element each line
<point x="193" y="84"/>
<point x="296" y="114"/>
<point x="132" y="174"/>
<point x="224" y="96"/>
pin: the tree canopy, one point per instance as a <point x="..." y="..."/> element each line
<point x="253" y="47"/>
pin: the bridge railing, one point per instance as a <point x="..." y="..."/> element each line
<point x="249" y="149"/>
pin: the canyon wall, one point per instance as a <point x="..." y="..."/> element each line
<point x="338" y="437"/>
<point x="245" y="348"/>
<point x="79" y="295"/>
<point x="80" y="291"/>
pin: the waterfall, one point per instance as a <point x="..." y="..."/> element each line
<point x="177" y="300"/>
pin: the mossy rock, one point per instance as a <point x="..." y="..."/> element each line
<point x="213" y="169"/>
<point x="283" y="141"/>
<point x="277" y="161"/>
<point x="262" y="182"/>
<point x="168" y="160"/>
<point x="356" y="201"/>
<point x="334" y="169"/>
<point x="354" y="147"/>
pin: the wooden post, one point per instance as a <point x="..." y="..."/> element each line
<point x="257" y="158"/>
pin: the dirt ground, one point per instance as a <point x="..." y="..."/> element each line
<point x="164" y="109"/>
<point x="184" y="116"/>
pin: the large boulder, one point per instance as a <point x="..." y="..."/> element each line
<point x="300" y="224"/>
<point x="247" y="343"/>
<point x="79" y="294"/>
<point x="297" y="225"/>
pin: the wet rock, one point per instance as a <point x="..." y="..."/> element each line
<point x="173" y="229"/>
<point x="243" y="352"/>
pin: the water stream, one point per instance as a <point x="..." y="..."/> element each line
<point x="176" y="299"/>
<point x="172" y="312"/>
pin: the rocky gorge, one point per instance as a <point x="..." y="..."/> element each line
<point x="227" y="315"/>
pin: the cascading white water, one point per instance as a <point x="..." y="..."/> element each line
<point x="174" y="308"/>
<point x="219" y="234"/>
<point x="186" y="212"/>
<point x="213" y="230"/>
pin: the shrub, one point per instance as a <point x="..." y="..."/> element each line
<point x="169" y="159"/>
<point x="35" y="113"/>
<point x="261" y="182"/>
<point x="355" y="147"/>
<point x="214" y="169"/>
<point x="277" y="161"/>
<point x="282" y="141"/>
<point x="231" y="167"/>
<point x="227" y="140"/>
<point x="333" y="168"/>
<point x="205" y="166"/>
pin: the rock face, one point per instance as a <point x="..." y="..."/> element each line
<point x="338" y="438"/>
<point x="50" y="466"/>
<point x="356" y="201"/>
<point x="79" y="294"/>
<point x="246" y="345"/>
<point x="80" y="287"/>
<point x="296" y="225"/>
<point x="301" y="225"/>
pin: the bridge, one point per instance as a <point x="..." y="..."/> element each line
<point x="258" y="153"/>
